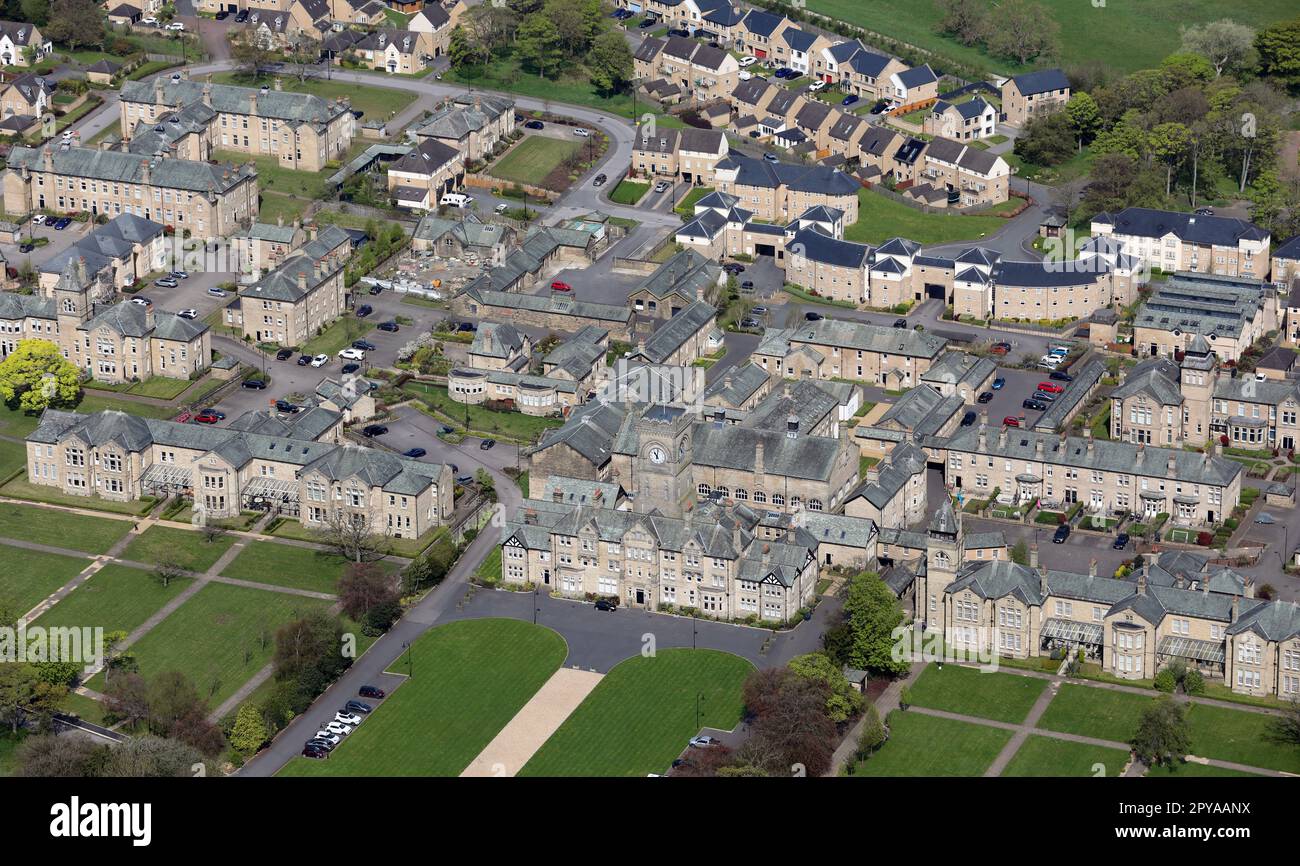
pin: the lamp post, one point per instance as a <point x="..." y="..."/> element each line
<point x="410" y="660"/>
<point x="699" y="696"/>
<point x="536" y="609"/>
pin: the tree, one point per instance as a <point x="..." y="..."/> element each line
<point x="1163" y="736"/>
<point x="75" y="23"/>
<point x="1278" y="47"/>
<point x="165" y="570"/>
<point x="366" y="588"/>
<point x="1228" y="46"/>
<point x="873" y="614"/>
<point x="792" y="728"/>
<point x="18" y="684"/>
<point x="308" y="654"/>
<point x="1084" y="116"/>
<point x="171" y="695"/>
<point x="1047" y="139"/>
<point x="1024" y="31"/>
<point x="537" y="45"/>
<point x="1285" y="727"/>
<point x="249" y="731"/>
<point x="1168" y="143"/>
<point x="194" y="729"/>
<point x="842" y="700"/>
<point x="609" y="63"/>
<point x="352" y="539"/>
<point x="249" y="53"/>
<point x="38" y="376"/>
<point x="964" y="20"/>
<point x="127" y="698"/>
<point x="35" y="12"/>
<point x="461" y="51"/>
<point x="50" y="756"/>
<point x="303" y="56"/>
<point x="1020" y="553"/>
<point x="151" y="757"/>
<point x="873" y="734"/>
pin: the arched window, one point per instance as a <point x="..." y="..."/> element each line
<point x="778" y="499"/>
<point x="742" y="495"/>
<point x="703" y="489"/>
<point x="794" y="501"/>
<point x="760" y="497"/>
<point x="814" y="505"/>
<point x="723" y="492"/>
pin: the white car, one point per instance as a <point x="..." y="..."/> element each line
<point x="702" y="742"/>
<point x="320" y="360"/>
<point x="1051" y="361"/>
<point x="347" y="719"/>
<point x="332" y="739"/>
<point x="350" y="354"/>
<point x="339" y="728"/>
<point x="38" y="219"/>
<point x="188" y="314"/>
<point x="816" y="86"/>
<point x="581" y="131"/>
<point x="175" y="25"/>
<point x="748" y="61"/>
<point x="745" y="75"/>
<point x="149" y="21"/>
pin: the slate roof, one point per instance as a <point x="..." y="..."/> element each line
<point x="19" y="32"/>
<point x="281" y="284"/>
<point x="497" y="340"/>
<point x="904" y="462"/>
<point x="1042" y="81"/>
<point x="866" y="337"/>
<point x="1214" y="230"/>
<point x="1158" y="377"/>
<point x="734" y="386"/>
<point x="917" y="76"/>
<point x="674" y="333"/>
<point x="953" y="368"/>
<point x="426" y="158"/>
<point x="762" y="23"/>
<point x="89" y="162"/>
<point x="802" y="178"/>
<point x="921" y="412"/>
<point x="734" y="447"/>
<point x="466" y="114"/>
<point x="282" y="105"/>
<point x="820" y="247"/>
<point x="963" y="155"/>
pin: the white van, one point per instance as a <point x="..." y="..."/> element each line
<point x="455" y="199"/>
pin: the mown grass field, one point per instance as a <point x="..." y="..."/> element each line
<point x="218" y="638"/>
<point x="643" y="713"/>
<point x="470" y="679"/>
<point x="60" y="528"/>
<point x="31" y="575"/>
<point x="1241" y="737"/>
<point x="187" y="548"/>
<point x="922" y="745"/>
<point x="1046" y="756"/>
<point x="375" y="102"/>
<point x="287" y="565"/>
<point x="881" y="218"/>
<point x="117" y="598"/>
<point x="971" y="692"/>
<point x="533" y="159"/>
<point x="1094" y="712"/>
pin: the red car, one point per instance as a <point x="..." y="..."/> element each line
<point x="183" y="417"/>
<point x="207" y="418"/>
<point x="1010" y="421"/>
<point x="1050" y="388"/>
<point x="1000" y="348"/>
<point x="561" y="286"/>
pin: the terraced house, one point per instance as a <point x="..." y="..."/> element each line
<point x="123" y="457"/>
<point x="301" y="130"/>
<point x="204" y="199"/>
<point x="779" y="192"/>
<point x="302" y="295"/>
<point x="1229" y="313"/>
<point x="840" y="349"/>
<point x="1174" y="241"/>
<point x="472" y="124"/>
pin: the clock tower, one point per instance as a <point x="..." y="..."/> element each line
<point x="661" y="467"/>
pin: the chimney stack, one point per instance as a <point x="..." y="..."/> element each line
<point x="302" y="280"/>
<point x="1236" y="607"/>
<point x="1092" y="568"/>
<point x="1033" y="556"/>
<point x="1142" y="582"/>
<point x="758" y="461"/>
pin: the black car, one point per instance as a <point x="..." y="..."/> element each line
<point x="414" y="452"/>
<point x="734" y="268"/>
<point x="391" y="327"/>
<point x="900" y="323"/>
<point x="364" y="310"/>
<point x="747" y="286"/>
<point x="1062" y="533"/>
<point x="679" y="33"/>
<point x="750" y="322"/>
<point x="26" y="248"/>
<point x="371" y="692"/>
<point x="468" y="327"/>
<point x="968" y="419"/>
<point x="534" y="124"/>
<point x="1034" y="404"/>
<point x="255" y="384"/>
<point x="284" y="354"/>
<point x="464" y="479"/>
<point x="304" y="360"/>
<point x="376" y="289"/>
<point x="372" y="430"/>
<point x="1060" y="376"/>
<point x="1121" y="541"/>
<point x="605" y="604"/>
<point x="357" y="707"/>
<point x="486" y="444"/>
<point x="646" y="22"/>
<point x="351" y="368"/>
<point x="813" y="317"/>
<point x="285" y="406"/>
<point x="363" y="345"/>
<point x="241" y="16"/>
<point x="599" y="180"/>
<point x="984" y="397"/>
<point x="309" y="750"/>
<point x="1042" y="397"/>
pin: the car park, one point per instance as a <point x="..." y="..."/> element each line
<point x="1050" y="387"/>
<point x="414" y="453"/>
<point x="487" y="444"/>
<point x="371" y="692"/>
<point x="1062" y="533"/>
<point x="338" y="728"/>
<point x="254" y="384"/>
<point x="372" y="430"/>
<point x="320" y="360"/>
<point x="1011" y="421"/>
<point x="284" y="354"/>
<point x="1031" y="403"/>
<point x="347" y="718"/>
<point x="984" y="397"/>
<point x="189" y="313"/>
<point x="390" y="327"/>
<point x="358" y="707"/>
<point x="1121" y="541"/>
<point x="352" y="354"/>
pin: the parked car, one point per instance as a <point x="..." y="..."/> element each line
<point x="534" y="124"/>
<point x="750" y="322"/>
<point x="661" y="187"/>
<point x="414" y="453"/>
<point x="371" y="692"/>
<point x="679" y="33"/>
<point x="372" y="430"/>
<point x="464" y="479"/>
<point x="813" y="317"/>
<point x="189" y="313"/>
<point x="351" y="354"/>
<point x="1062" y="533"/>
<point x="817" y="87"/>
<point x="1205" y="211"/>
<point x="216" y="292"/>
<point x="1031" y="403"/>
<point x="26" y="247"/>
<point x="1011" y="421"/>
<point x="182" y="418"/>
<point x="1049" y="362"/>
<point x="747" y="286"/>
<point x="849" y="100"/>
<point x="286" y="406"/>
<point x="599" y="180"/>
<point x="759" y="310"/>
<point x="339" y="728"/>
<point x="364" y="310"/>
<point x="347" y="718"/>
<point x="487" y="444"/>
<point x="984" y="397"/>
<point x="900" y="323"/>
<point x="647" y="22"/>
<point x="1060" y="376"/>
<point x="304" y="359"/>
<point x="1050" y="387"/>
<point x="166" y="283"/>
<point x="560" y="286"/>
<point x="329" y="737"/>
<point x="1000" y="348"/>
<point x="142" y="301"/>
<point x="206" y="417"/>
<point x="1121" y="541"/>
<point x="1042" y="397"/>
<point x="38" y="219"/>
<point x="968" y="419"/>
<point x="606" y="604"/>
<point x="179" y="275"/>
<point x="254" y="384"/>
<point x="320" y="360"/>
<point x="1058" y="351"/>
<point x="748" y="60"/>
<point x="999" y="383"/>
<point x="734" y="268"/>
<point x="771" y="157"/>
<point x="390" y="327"/>
<point x="175" y="25"/>
<point x="350" y="368"/>
<point x="62" y="223"/>
<point x="222" y="15"/>
<point x="581" y="131"/>
<point x="308" y="750"/>
<point x="284" y="354"/>
<point x="703" y="742"/>
<point x="358" y="707"/>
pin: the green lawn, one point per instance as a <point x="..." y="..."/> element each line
<point x="286" y="565"/>
<point x="187" y="548"/>
<point x="1195" y="771"/>
<point x="1046" y="756"/>
<point x="84" y="707"/>
<point x="1241" y="737"/>
<point x="881" y="218"/>
<point x="218" y="638"/>
<point x="15" y="422"/>
<point x="628" y="192"/>
<point x="30" y="576"/>
<point x="922" y="745"/>
<point x="375" y="102"/>
<point x="21" y="488"/>
<point x="505" y="425"/>
<point x="504" y="73"/>
<point x="13" y="457"/>
<point x="533" y="159"/>
<point x="162" y="387"/>
<point x="407" y="547"/>
<point x="274" y="205"/>
<point x="285" y="181"/>
<point x="686" y="206"/>
<point x="60" y="528"/>
<point x="470" y="679"/>
<point x="338" y="335"/>
<point x="8" y="749"/>
<point x="1095" y="712"/>
<point x="116" y="597"/>
<point x="642" y="714"/>
<point x="998" y="696"/>
<point x="1123" y="34"/>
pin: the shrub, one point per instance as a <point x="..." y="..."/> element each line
<point x="1194" y="682"/>
<point x="873" y="734"/>
<point x="1166" y="681"/>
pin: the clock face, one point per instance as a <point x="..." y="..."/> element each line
<point x="657" y="455"/>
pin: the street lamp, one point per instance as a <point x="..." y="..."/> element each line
<point x="699" y="696"/>
<point x="536" y="609"/>
<point x="410" y="660"/>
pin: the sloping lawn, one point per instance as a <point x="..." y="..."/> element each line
<point x="116" y="597"/>
<point x="533" y="159"/>
<point x="470" y="678"/>
<point x="188" y="549"/>
<point x="286" y="565"/>
<point x="1094" y="712"/>
<point x="504" y="425"/>
<point x="338" y="335"/>
<point x="881" y="218"/>
<point x="643" y="713"/>
<point x="60" y="528"/>
<point x="13" y="457"/>
<point x="1241" y="737"/>
<point x="1046" y="756"/>
<point x="998" y="696"/>
<point x="218" y="638"/>
<point x="922" y="745"/>
<point x="30" y="576"/>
